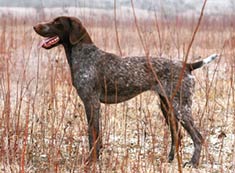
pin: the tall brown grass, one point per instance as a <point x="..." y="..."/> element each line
<point x="42" y="121"/>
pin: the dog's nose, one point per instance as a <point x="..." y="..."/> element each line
<point x="36" y="27"/>
<point x="41" y="28"/>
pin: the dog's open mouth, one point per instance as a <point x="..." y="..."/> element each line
<point x="49" y="42"/>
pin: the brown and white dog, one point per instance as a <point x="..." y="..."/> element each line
<point x="101" y="77"/>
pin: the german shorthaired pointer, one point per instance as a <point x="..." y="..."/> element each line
<point x="101" y="77"/>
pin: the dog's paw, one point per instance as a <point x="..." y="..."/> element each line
<point x="190" y="164"/>
<point x="170" y="158"/>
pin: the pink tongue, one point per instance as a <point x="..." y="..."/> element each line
<point x="41" y="43"/>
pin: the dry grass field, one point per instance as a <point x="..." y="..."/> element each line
<point x="42" y="122"/>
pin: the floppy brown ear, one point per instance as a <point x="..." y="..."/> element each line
<point x="78" y="33"/>
<point x="75" y="31"/>
<point x="74" y="34"/>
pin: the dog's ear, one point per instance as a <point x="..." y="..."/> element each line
<point x="76" y="31"/>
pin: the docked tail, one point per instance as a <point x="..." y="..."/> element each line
<point x="195" y="65"/>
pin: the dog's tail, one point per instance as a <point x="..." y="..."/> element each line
<point x="195" y="65"/>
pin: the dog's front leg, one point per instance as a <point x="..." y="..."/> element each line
<point x="92" y="107"/>
<point x="87" y="85"/>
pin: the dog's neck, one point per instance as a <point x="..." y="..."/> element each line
<point x="68" y="52"/>
<point x="85" y="38"/>
<point x="69" y="48"/>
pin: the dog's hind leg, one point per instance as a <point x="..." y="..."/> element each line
<point x="182" y="104"/>
<point x="166" y="112"/>
<point x="184" y="115"/>
<point x="197" y="141"/>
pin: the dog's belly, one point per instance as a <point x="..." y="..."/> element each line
<point x="117" y="98"/>
<point x="118" y="93"/>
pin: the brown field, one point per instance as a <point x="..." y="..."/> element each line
<point x="42" y="122"/>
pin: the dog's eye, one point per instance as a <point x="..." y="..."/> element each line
<point x="56" y="22"/>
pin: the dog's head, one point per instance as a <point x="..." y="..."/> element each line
<point x="62" y="30"/>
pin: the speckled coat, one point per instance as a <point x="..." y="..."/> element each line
<point x="101" y="77"/>
<point x="116" y="79"/>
